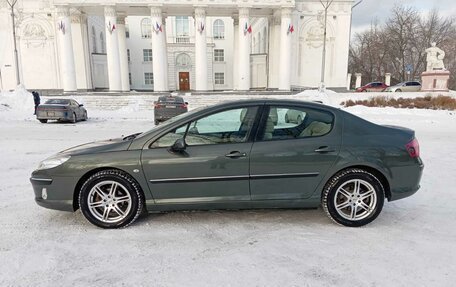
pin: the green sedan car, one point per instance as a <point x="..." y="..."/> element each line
<point x="235" y="155"/>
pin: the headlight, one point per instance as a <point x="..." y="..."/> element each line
<point x="52" y="162"/>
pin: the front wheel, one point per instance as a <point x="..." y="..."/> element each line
<point x="353" y="198"/>
<point x="398" y="91"/>
<point x="43" y="121"/>
<point x="111" y="199"/>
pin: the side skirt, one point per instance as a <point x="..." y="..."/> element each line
<point x="152" y="207"/>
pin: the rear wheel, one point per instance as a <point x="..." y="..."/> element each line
<point x="73" y="118"/>
<point x="43" y="121"/>
<point x="353" y="198"/>
<point x="398" y="90"/>
<point x="156" y="122"/>
<point x="111" y="199"/>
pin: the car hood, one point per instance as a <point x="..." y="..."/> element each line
<point x="110" y="145"/>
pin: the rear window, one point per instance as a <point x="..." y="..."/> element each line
<point x="170" y="100"/>
<point x="57" y="102"/>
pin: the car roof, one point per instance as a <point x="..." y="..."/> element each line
<point x="273" y="102"/>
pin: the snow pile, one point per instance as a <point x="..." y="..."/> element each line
<point x="20" y="101"/>
<point x="327" y="97"/>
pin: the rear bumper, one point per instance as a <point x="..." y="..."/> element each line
<point x="406" y="181"/>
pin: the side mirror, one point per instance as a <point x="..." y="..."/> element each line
<point x="179" y="145"/>
<point x="186" y="103"/>
<point x="81" y="105"/>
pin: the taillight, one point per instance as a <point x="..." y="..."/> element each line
<point x="157" y="106"/>
<point x="413" y="148"/>
<point x="183" y="106"/>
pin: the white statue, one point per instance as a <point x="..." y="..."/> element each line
<point x="434" y="58"/>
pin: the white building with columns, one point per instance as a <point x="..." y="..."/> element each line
<point x="163" y="45"/>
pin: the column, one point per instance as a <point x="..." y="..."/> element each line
<point x="244" y="50"/>
<point x="388" y="79"/>
<point x="159" y="54"/>
<point x="66" y="49"/>
<point x="123" y="57"/>
<point x="235" y="52"/>
<point x="358" y="80"/>
<point x="200" y="50"/>
<point x="81" y="51"/>
<point x="349" y="77"/>
<point x="112" y="48"/>
<point x="273" y="49"/>
<point x="285" y="51"/>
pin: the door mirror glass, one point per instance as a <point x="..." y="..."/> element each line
<point x="81" y="105"/>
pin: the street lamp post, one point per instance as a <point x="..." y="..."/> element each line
<point x="12" y="3"/>
<point x="323" y="60"/>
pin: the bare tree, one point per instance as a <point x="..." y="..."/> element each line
<point x="397" y="47"/>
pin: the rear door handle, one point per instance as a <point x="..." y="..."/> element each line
<point x="324" y="149"/>
<point x="236" y="154"/>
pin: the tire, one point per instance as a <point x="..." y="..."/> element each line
<point x="73" y="118"/>
<point x="113" y="209"/>
<point x="347" y="207"/>
<point x="85" y="117"/>
<point x="157" y="122"/>
<point x="43" y="121"/>
<point x="398" y="91"/>
<point x="365" y="91"/>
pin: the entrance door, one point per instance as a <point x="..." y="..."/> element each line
<point x="184" y="81"/>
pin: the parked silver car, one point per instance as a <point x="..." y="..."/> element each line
<point x="407" y="86"/>
<point x="61" y="110"/>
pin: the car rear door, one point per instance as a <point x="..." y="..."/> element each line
<point x="213" y="168"/>
<point x="289" y="160"/>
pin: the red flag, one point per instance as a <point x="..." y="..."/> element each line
<point x="249" y="29"/>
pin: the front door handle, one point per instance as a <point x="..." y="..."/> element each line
<point x="236" y="154"/>
<point x="324" y="149"/>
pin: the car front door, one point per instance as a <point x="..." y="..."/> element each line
<point x="213" y="167"/>
<point x="289" y="160"/>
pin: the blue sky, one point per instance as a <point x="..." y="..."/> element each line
<point x="369" y="10"/>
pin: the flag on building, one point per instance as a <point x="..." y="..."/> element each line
<point x="290" y="29"/>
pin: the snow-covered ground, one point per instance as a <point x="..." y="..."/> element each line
<point x="412" y="243"/>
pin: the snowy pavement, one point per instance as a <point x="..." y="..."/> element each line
<point x="411" y="243"/>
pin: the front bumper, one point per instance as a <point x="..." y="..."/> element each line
<point x="53" y="193"/>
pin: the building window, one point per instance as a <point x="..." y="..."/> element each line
<point x="219" y="29"/>
<point x="129" y="78"/>
<point x="102" y="41"/>
<point x="128" y="55"/>
<point x="183" y="60"/>
<point x="219" y="55"/>
<point x="146" y="28"/>
<point x="148" y="78"/>
<point x="94" y="40"/>
<point x="182" y="26"/>
<point x="219" y="78"/>
<point x="127" y="31"/>
<point x="147" y="55"/>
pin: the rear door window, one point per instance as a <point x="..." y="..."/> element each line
<point x="296" y="122"/>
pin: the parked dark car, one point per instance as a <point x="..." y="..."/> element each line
<point x="61" y="110"/>
<point x="168" y="107"/>
<point x="212" y="158"/>
<point x="372" y="87"/>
